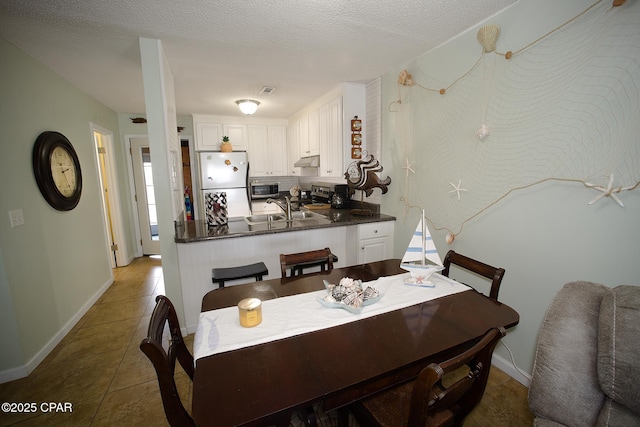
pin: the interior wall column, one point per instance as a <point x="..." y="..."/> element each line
<point x="165" y="153"/>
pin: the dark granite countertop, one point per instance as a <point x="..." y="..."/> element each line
<point x="197" y="231"/>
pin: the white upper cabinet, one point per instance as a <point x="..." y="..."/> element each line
<point x="324" y="128"/>
<point x="237" y="136"/>
<point x="331" y="151"/>
<point x="314" y="133"/>
<point x="303" y="135"/>
<point x="209" y="130"/>
<point x="267" y="150"/>
<point x="278" y="147"/>
<point x="293" y="148"/>
<point x="208" y="134"/>
<point x="258" y="150"/>
<point x="308" y="134"/>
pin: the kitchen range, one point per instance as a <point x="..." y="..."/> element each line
<point x="337" y="195"/>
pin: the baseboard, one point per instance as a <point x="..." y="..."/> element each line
<point x="129" y="260"/>
<point x="13" y="374"/>
<point x="25" y="370"/>
<point x="510" y="369"/>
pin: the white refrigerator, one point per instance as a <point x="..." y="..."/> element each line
<point x="229" y="173"/>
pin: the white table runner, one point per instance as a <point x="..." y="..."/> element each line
<point x="219" y="330"/>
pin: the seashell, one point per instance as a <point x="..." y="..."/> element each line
<point x="348" y="282"/>
<point x="487" y="37"/>
<point x="370" y="292"/>
<point x="483" y="132"/>
<point x="329" y="298"/>
<point x="339" y="292"/>
<point x="353" y="299"/>
<point x="405" y="78"/>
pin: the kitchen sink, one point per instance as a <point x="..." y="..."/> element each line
<point x="261" y="219"/>
<point x="266" y="218"/>
<point x="306" y="215"/>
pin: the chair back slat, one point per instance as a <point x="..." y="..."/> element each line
<point x="492" y="273"/>
<point x="429" y="399"/>
<point x="298" y="261"/>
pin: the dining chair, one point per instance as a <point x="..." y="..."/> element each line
<point x="164" y="361"/>
<point x="426" y="401"/>
<point x="299" y="261"/>
<point x="492" y="273"/>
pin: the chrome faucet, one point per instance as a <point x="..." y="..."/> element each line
<point x="285" y="207"/>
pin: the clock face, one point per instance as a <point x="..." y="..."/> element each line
<point x="63" y="171"/>
<point x="57" y="170"/>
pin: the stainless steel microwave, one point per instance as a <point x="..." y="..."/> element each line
<point x="264" y="190"/>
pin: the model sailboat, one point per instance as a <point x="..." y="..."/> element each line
<point x="420" y="250"/>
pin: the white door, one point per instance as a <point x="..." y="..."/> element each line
<point x="114" y="231"/>
<point x="106" y="195"/>
<point x="145" y="196"/>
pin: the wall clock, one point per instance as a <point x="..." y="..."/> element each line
<point x="57" y="170"/>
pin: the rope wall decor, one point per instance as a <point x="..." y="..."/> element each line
<point x="566" y="107"/>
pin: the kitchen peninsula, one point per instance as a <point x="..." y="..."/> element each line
<point x="354" y="239"/>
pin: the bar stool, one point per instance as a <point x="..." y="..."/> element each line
<point x="221" y="275"/>
<point x="299" y="261"/>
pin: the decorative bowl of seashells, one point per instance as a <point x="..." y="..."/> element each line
<point x="349" y="294"/>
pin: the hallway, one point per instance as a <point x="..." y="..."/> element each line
<point x="98" y="367"/>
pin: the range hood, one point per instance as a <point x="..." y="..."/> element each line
<point x="308" y="162"/>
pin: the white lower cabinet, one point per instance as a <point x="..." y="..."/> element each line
<point x="374" y="241"/>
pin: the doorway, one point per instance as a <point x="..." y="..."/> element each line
<point x="145" y="195"/>
<point x="114" y="233"/>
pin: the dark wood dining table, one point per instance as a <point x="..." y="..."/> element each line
<point x="263" y="384"/>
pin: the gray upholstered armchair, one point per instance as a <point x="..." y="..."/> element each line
<point x="587" y="365"/>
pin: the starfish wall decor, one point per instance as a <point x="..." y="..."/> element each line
<point x="457" y="188"/>
<point x="608" y="191"/>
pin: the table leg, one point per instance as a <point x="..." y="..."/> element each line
<point x="343" y="417"/>
<point x="310" y="417"/>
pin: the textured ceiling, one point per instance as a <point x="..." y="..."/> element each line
<point x="224" y="50"/>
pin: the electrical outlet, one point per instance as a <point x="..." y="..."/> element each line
<point x="16" y="217"/>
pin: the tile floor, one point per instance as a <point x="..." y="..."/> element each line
<point x="99" y="368"/>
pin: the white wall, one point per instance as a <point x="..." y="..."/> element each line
<point x="55" y="265"/>
<point x="547" y="234"/>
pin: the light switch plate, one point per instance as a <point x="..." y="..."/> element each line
<point x="16" y="217"/>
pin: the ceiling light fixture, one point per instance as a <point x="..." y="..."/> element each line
<point x="247" y="106"/>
